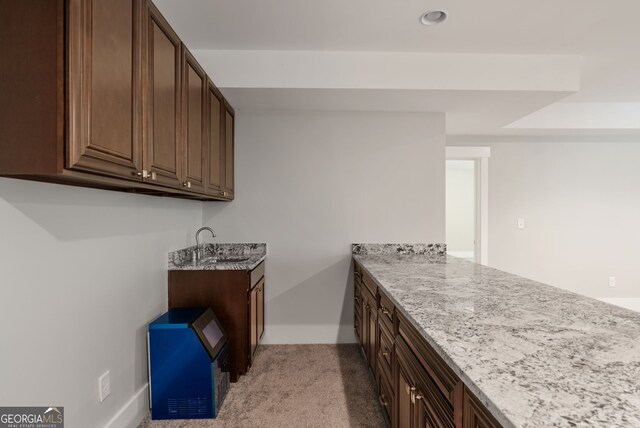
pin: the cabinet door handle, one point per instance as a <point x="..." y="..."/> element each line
<point x="419" y="396"/>
<point x="138" y="173"/>
<point x="367" y="306"/>
<point x="385" y="353"/>
<point x="358" y="274"/>
<point x="385" y="310"/>
<point x="187" y="184"/>
<point x="383" y="400"/>
<point x="357" y="299"/>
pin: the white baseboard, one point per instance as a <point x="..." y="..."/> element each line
<point x="467" y="255"/>
<point x="133" y="412"/>
<point x="308" y="334"/>
<point x="632" y="303"/>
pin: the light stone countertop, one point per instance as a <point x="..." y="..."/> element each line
<point x="211" y="253"/>
<point x="535" y="355"/>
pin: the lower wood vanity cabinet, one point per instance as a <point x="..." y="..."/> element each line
<point x="237" y="299"/>
<point x="415" y="387"/>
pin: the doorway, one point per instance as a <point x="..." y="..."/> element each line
<point x="461" y="209"/>
<point x="467" y="192"/>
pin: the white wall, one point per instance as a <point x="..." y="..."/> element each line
<point x="311" y="183"/>
<point x="581" y="205"/>
<point x="461" y="207"/>
<point x="82" y="273"/>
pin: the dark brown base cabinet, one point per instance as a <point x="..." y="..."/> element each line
<point x="237" y="299"/>
<point x="415" y="387"/>
<point x="104" y="94"/>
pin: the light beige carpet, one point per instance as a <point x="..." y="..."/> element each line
<point x="296" y="386"/>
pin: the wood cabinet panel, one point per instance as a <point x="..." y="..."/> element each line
<point x="163" y="156"/>
<point x="369" y="320"/>
<point x="475" y="414"/>
<point x="33" y="31"/>
<point x="194" y="98"/>
<point x="437" y="369"/>
<point x="104" y="93"/>
<point x="386" y="396"/>
<point x="215" y="134"/>
<point x="229" y="131"/>
<point x="260" y="305"/>
<point x="428" y="408"/>
<point x="385" y="349"/>
<point x="253" y="322"/>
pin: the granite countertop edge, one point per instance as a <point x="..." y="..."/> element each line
<point x="250" y="265"/>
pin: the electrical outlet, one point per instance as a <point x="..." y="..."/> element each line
<point x="520" y="223"/>
<point x="104" y="386"/>
<point x="612" y="281"/>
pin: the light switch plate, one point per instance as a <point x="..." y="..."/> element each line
<point x="520" y="223"/>
<point x="612" y="281"/>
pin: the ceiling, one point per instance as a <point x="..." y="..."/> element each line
<point x="605" y="33"/>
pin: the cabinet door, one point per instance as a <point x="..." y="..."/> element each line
<point x="104" y="84"/>
<point x="260" y="320"/>
<point x="405" y="389"/>
<point x="253" y="322"/>
<point x="357" y="312"/>
<point x="215" y="137"/>
<point x="229" y="130"/>
<point x="475" y="415"/>
<point x="372" y="352"/>
<point x="163" y="156"/>
<point x="194" y="91"/>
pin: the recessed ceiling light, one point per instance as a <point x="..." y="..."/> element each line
<point x="433" y="17"/>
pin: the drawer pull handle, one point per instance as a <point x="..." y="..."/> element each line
<point x="385" y="311"/>
<point x="385" y="353"/>
<point x="419" y="396"/>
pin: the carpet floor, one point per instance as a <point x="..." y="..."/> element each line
<point x="297" y="386"/>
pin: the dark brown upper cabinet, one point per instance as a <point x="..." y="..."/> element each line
<point x="215" y="137"/>
<point x="194" y="90"/>
<point x="229" y="131"/>
<point x="164" y="149"/>
<point x="103" y="94"/>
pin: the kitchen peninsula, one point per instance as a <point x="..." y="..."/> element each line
<point x="501" y="350"/>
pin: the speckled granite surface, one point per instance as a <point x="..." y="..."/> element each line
<point x="240" y="256"/>
<point x="372" y="249"/>
<point x="536" y="355"/>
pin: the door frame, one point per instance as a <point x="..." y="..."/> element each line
<point x="480" y="155"/>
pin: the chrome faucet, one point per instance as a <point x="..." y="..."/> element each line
<point x="199" y="252"/>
